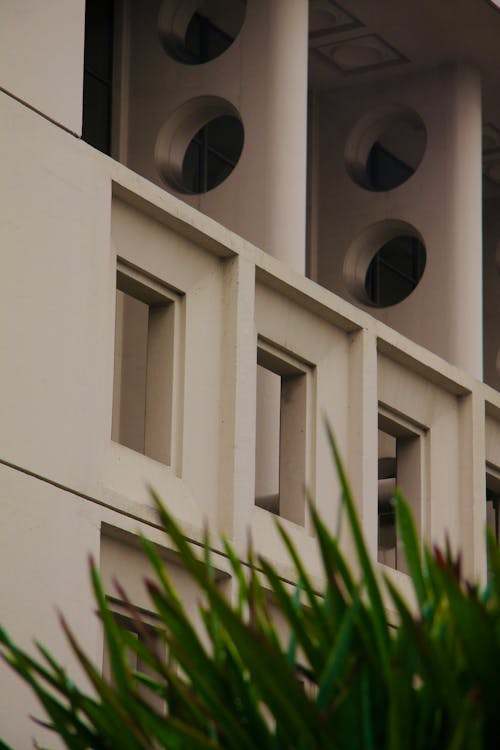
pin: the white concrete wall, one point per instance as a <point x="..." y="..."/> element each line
<point x="41" y="57"/>
<point x="56" y="285"/>
<point x="68" y="214"/>
<point x="58" y="348"/>
<point x="46" y="535"/>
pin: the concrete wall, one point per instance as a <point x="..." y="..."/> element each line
<point x="72" y="217"/>
<point x="41" y="57"/>
<point x="45" y="537"/>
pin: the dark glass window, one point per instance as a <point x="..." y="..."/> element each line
<point x="492" y="510"/>
<point x="395" y="271"/>
<point x="384" y="170"/>
<point x="212" y="154"/>
<point x="210" y="29"/>
<point x="204" y="40"/>
<point x="98" y="74"/>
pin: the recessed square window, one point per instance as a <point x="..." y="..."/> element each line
<point x="493" y="501"/>
<point x="144" y="366"/>
<point x="280" y="458"/>
<point x="400" y="464"/>
<point x="152" y="631"/>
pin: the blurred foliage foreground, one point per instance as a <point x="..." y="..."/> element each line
<point x="345" y="678"/>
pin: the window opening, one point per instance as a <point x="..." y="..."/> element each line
<point x="399" y="465"/>
<point x="492" y="510"/>
<point x="204" y="34"/>
<point x="387" y="543"/>
<point x="385" y="147"/>
<point x="384" y="170"/>
<point x="280" y="436"/>
<point x="267" y="456"/>
<point x="212" y="154"/>
<point x="493" y="504"/>
<point x="98" y="74"/>
<point x="143" y="374"/>
<point x="205" y="40"/>
<point x="134" y="661"/>
<point x="493" y="501"/>
<point x="395" y="270"/>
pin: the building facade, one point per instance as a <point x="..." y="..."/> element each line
<point x="223" y="221"/>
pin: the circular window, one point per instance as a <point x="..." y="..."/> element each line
<point x="395" y="271"/>
<point x="212" y="154"/>
<point x="199" y="145"/>
<point x="385" y="263"/>
<point x="197" y="31"/>
<point x="385" y="148"/>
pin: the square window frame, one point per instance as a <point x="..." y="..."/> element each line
<point x="492" y="481"/>
<point x="153" y="624"/>
<point x="164" y="355"/>
<point x="295" y="407"/>
<point x="411" y="470"/>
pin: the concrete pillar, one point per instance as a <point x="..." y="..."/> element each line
<point x="283" y="147"/>
<point x="263" y="76"/>
<point x="465" y="250"/>
<point x="441" y="201"/>
<point x="286" y="133"/>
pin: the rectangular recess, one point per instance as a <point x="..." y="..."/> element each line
<point x="151" y="625"/>
<point x="493" y="499"/>
<point x="280" y="465"/>
<point x="143" y="382"/>
<point x="400" y="464"/>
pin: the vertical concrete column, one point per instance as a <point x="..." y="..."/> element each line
<point x="281" y="152"/>
<point x="263" y="76"/>
<point x="440" y="202"/>
<point x="465" y="250"/>
<point x="286" y="136"/>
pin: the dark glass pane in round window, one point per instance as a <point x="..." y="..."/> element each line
<point x="393" y="157"/>
<point x="395" y="271"/>
<point x="384" y="170"/>
<point x="211" y="30"/>
<point x="212" y="154"/>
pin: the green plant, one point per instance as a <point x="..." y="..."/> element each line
<point x="345" y="679"/>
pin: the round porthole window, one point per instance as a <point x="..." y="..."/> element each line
<point x="212" y="154"/>
<point x="200" y="145"/>
<point x="395" y="270"/>
<point x="197" y="31"/>
<point x="385" y="263"/>
<point x="385" y="148"/>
